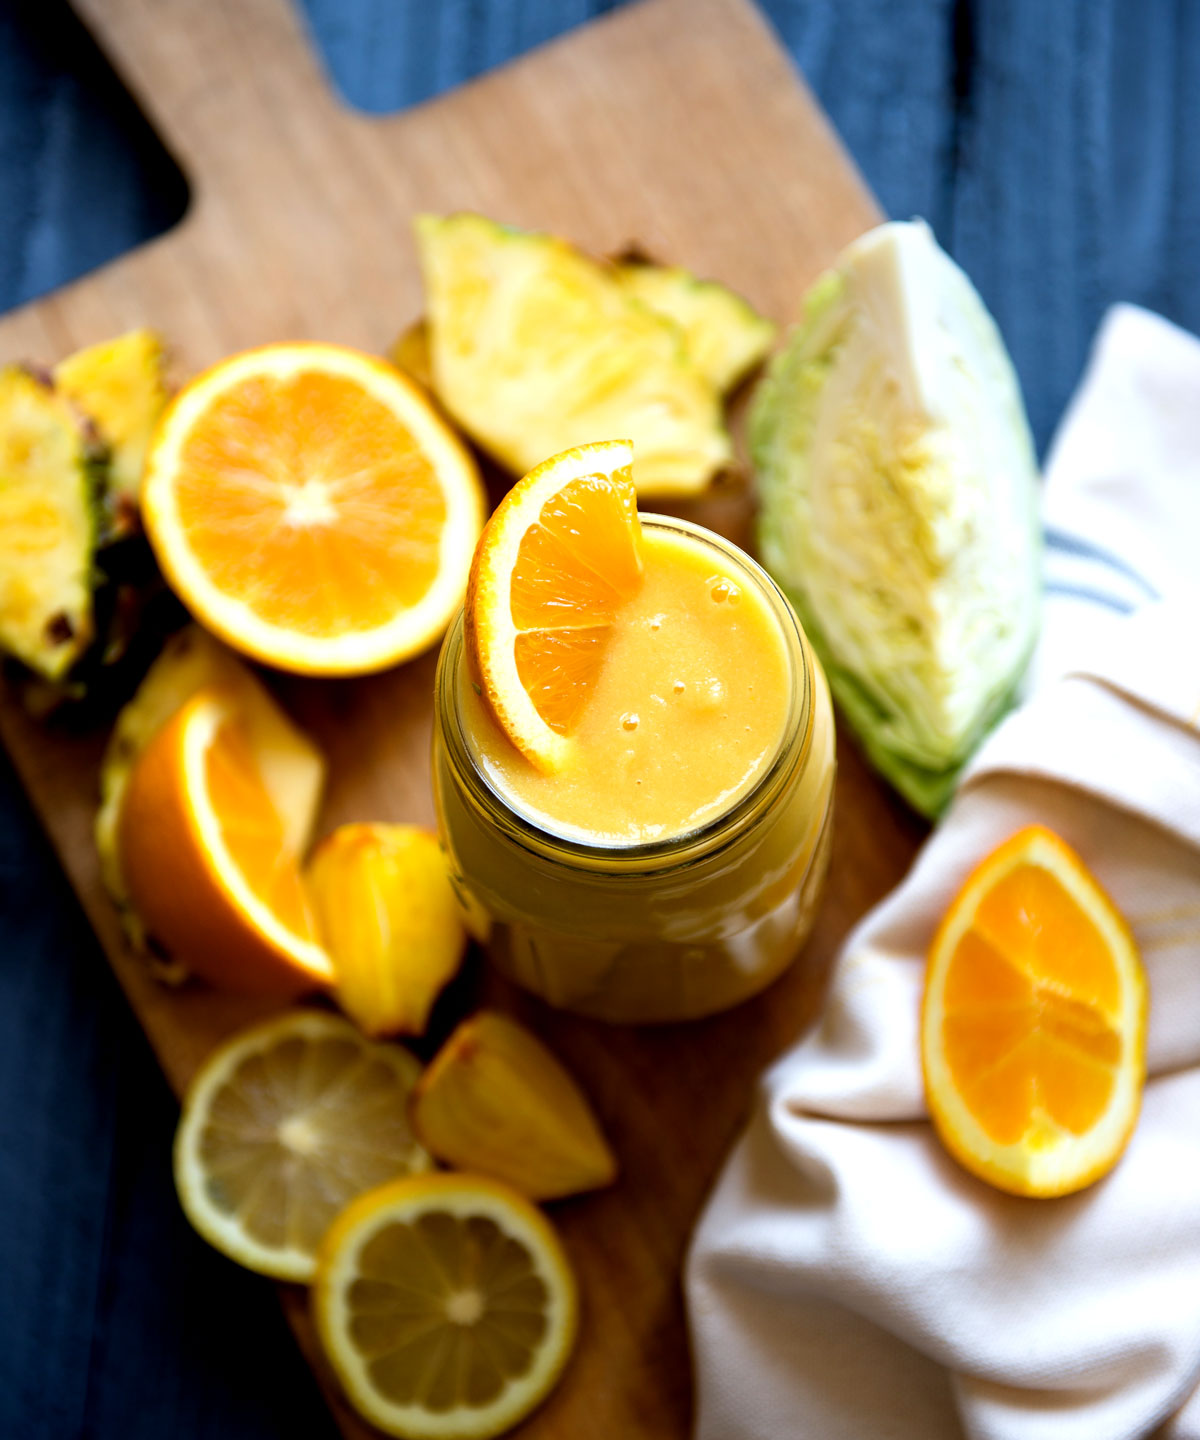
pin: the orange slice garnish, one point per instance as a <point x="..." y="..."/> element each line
<point x="311" y="507"/>
<point x="555" y="564"/>
<point x="1033" y="1030"/>
<point x="207" y="860"/>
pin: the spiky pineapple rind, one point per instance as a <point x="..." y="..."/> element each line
<point x="120" y="386"/>
<point x="724" y="334"/>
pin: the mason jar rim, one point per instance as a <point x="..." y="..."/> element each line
<point x="674" y="851"/>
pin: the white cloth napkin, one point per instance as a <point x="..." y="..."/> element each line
<point x="848" y="1279"/>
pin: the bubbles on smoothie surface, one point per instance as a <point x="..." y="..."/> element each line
<point x="709" y="695"/>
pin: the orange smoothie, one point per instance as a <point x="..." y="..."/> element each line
<point x="672" y="864"/>
<point x="686" y="714"/>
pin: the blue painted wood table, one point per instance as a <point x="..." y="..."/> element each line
<point x="1056" y="151"/>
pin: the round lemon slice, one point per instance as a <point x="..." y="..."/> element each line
<point x="282" y="1127"/>
<point x="446" y="1305"/>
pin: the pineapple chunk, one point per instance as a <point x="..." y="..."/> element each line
<point x="48" y="511"/>
<point x="119" y="386"/>
<point x="535" y="348"/>
<point x="725" y="336"/>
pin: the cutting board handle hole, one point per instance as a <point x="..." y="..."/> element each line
<point x="423" y="43"/>
<point x="114" y="184"/>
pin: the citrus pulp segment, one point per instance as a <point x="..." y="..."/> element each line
<point x="282" y="1127"/>
<point x="1034" y="1020"/>
<point x="553" y="567"/>
<point x="446" y="1305"/>
<point x="206" y="859"/>
<point x="311" y="507"/>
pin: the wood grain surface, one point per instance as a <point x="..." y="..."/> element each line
<point x="678" y="124"/>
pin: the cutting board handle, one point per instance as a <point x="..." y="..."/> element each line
<point x="215" y="78"/>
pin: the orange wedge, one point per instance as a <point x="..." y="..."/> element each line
<point x="207" y="861"/>
<point x="311" y="507"/>
<point x="555" y="563"/>
<point x="1033" y="1030"/>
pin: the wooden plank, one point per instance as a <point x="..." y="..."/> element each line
<point x="676" y="123"/>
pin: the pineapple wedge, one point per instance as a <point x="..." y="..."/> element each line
<point x="494" y="1100"/>
<point x="48" y="524"/>
<point x="535" y="347"/>
<point x="119" y="385"/>
<point x="724" y="334"/>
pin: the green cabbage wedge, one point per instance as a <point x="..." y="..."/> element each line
<point x="898" y="489"/>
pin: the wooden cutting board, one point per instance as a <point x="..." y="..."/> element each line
<point x="678" y="124"/>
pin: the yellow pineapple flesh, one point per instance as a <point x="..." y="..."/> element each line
<point x="535" y="348"/>
<point x="48" y="515"/>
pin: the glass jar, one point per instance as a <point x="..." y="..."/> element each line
<point x="667" y="930"/>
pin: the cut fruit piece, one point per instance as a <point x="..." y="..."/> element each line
<point x="496" y="1101"/>
<point x="1033" y="1031"/>
<point x="208" y="861"/>
<point x="119" y="385"/>
<point x="390" y="921"/>
<point x="724" y="334"/>
<point x="558" y="558"/>
<point x="535" y="348"/>
<point x="310" y="506"/>
<point x="410" y="353"/>
<point x="446" y="1305"/>
<point x="48" y="525"/>
<point x="281" y="1128"/>
<point x="291" y="766"/>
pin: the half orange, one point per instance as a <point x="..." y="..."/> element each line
<point x="311" y="507"/>
<point x="555" y="564"/>
<point x="1033" y="1030"/>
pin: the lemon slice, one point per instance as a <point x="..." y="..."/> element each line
<point x="282" y="1127"/>
<point x="446" y="1305"/>
<point x="1033" y="1033"/>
